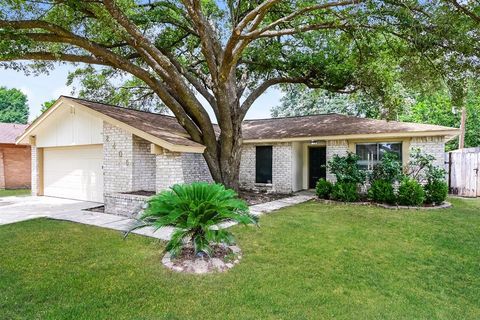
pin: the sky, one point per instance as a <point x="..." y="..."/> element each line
<point x="47" y="87"/>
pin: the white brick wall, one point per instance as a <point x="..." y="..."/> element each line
<point x="128" y="164"/>
<point x="282" y="175"/>
<point x="117" y="159"/>
<point x="335" y="147"/>
<point x="195" y="168"/>
<point x="169" y="170"/>
<point x="282" y="166"/>
<point x="144" y="163"/>
<point x="434" y="146"/>
<point x="35" y="172"/>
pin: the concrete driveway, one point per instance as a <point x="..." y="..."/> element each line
<point x="14" y="209"/>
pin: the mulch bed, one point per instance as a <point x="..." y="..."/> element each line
<point x="253" y="198"/>
<point x="141" y="193"/>
<point x="188" y="253"/>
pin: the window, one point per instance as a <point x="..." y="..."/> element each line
<point x="263" y="165"/>
<point x="371" y="153"/>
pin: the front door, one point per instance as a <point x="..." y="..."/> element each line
<point x="317" y="159"/>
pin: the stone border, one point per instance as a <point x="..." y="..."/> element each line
<point x="201" y="266"/>
<point x="444" y="205"/>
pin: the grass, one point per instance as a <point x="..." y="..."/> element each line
<point x="311" y="261"/>
<point x="15" y="192"/>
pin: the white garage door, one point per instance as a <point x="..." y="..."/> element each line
<point x="74" y="172"/>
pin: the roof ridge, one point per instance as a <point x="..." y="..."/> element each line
<point x="115" y="106"/>
<point x="300" y="116"/>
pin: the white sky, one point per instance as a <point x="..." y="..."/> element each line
<point x="47" y="87"/>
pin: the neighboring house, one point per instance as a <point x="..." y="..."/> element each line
<point x="102" y="153"/>
<point x="15" y="160"/>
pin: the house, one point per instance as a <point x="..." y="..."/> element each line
<point x="91" y="151"/>
<point x="14" y="159"/>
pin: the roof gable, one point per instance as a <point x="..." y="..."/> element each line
<point x="161" y="130"/>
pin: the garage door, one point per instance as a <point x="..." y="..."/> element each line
<point x="74" y="172"/>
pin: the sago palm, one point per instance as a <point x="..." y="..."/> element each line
<point x="195" y="210"/>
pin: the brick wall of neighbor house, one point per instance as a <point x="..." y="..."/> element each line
<point x="282" y="166"/>
<point x="434" y="146"/>
<point x="195" y="168"/>
<point x="15" y="166"/>
<point x="335" y="147"/>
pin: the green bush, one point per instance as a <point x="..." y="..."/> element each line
<point x="346" y="169"/>
<point x="389" y="169"/>
<point x="410" y="193"/>
<point x="324" y="189"/>
<point x="345" y="191"/>
<point x="436" y="192"/>
<point x="382" y="192"/>
<point x="194" y="209"/>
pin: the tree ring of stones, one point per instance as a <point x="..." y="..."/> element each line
<point x="201" y="265"/>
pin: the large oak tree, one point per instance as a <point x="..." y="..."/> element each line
<point x="224" y="52"/>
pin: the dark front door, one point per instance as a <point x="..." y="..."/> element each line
<point x="317" y="159"/>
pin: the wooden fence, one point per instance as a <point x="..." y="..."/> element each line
<point x="463" y="167"/>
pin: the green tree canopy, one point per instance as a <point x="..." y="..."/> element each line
<point x="229" y="52"/>
<point x="13" y="106"/>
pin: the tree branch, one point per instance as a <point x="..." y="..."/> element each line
<point x="461" y="8"/>
<point x="48" y="56"/>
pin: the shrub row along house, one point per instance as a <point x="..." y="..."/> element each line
<point x="102" y="153"/>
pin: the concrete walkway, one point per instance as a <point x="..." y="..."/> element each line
<point x="16" y="209"/>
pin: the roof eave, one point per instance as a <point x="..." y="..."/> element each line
<point x="449" y="134"/>
<point x="23" y="139"/>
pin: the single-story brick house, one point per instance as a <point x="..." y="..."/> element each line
<point x="15" y="160"/>
<point x="102" y="153"/>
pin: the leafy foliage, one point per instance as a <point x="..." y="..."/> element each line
<point x="436" y="192"/>
<point x="389" y="169"/>
<point x="195" y="210"/>
<point x="13" y="106"/>
<point x="381" y="191"/>
<point x="345" y="191"/>
<point x="421" y="167"/>
<point x="46" y="105"/>
<point x="323" y="188"/>
<point x="346" y="169"/>
<point x="410" y="193"/>
<point x="438" y="108"/>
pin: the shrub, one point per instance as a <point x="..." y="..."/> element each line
<point x="436" y="192"/>
<point x="410" y="193"/>
<point x="346" y="169"/>
<point x="194" y="209"/>
<point x="382" y="192"/>
<point x="345" y="191"/>
<point x="324" y="188"/>
<point x="389" y="169"/>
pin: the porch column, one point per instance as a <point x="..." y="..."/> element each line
<point x="169" y="170"/>
<point x="335" y="147"/>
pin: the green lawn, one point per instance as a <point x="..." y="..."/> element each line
<point x="311" y="261"/>
<point x="16" y="192"/>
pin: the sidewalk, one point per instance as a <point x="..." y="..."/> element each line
<point x="120" y="223"/>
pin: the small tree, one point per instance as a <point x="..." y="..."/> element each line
<point x="13" y="106"/>
<point x="346" y="169"/>
<point x="389" y="169"/>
